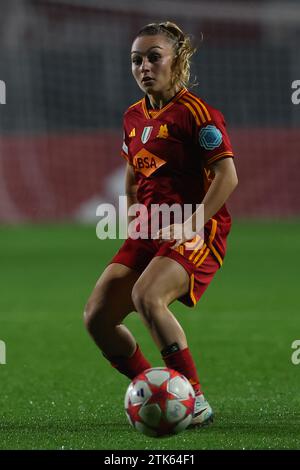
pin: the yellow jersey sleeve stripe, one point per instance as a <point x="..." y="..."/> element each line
<point x="220" y="155"/>
<point x="203" y="107"/>
<point x="192" y="111"/>
<point x="196" y="105"/>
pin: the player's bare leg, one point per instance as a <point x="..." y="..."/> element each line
<point x="109" y="303"/>
<point x="162" y="282"/>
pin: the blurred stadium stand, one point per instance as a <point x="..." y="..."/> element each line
<point x="67" y="72"/>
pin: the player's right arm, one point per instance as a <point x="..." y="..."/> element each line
<point x="130" y="188"/>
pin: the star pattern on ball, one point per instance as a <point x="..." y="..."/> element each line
<point x="133" y="411"/>
<point x="160" y="400"/>
<point x="160" y="395"/>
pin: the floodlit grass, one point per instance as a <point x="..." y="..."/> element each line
<point x="58" y="392"/>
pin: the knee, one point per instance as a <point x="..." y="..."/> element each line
<point x="145" y="301"/>
<point x="93" y="317"/>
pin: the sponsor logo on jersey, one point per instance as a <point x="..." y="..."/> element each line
<point x="146" y="162"/>
<point x="210" y="137"/>
<point x="146" y="134"/>
<point x="132" y="133"/>
<point x="163" y="132"/>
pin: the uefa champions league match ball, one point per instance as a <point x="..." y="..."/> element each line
<point x="159" y="402"/>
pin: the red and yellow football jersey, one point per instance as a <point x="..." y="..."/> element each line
<point x="171" y="151"/>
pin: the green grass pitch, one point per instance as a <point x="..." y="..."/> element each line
<point x="57" y="391"/>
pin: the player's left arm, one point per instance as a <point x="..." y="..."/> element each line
<point x="223" y="184"/>
<point x="215" y="149"/>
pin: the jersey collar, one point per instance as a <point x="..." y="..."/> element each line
<point x="154" y="115"/>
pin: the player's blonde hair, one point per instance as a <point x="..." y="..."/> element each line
<point x="183" y="49"/>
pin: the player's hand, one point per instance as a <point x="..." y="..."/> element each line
<point x="177" y="234"/>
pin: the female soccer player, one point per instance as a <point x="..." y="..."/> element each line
<point x="177" y="151"/>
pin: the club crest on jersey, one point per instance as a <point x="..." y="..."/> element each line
<point x="210" y="137"/>
<point x="132" y="133"/>
<point x="163" y="132"/>
<point x="146" y="134"/>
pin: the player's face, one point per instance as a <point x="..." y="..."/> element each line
<point x="151" y="59"/>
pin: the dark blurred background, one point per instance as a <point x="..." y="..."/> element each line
<point x="68" y="81"/>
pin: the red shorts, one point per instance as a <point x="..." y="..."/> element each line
<point x="201" y="265"/>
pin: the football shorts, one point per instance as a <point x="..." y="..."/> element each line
<point x="200" y="263"/>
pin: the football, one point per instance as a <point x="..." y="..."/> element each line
<point x="159" y="401"/>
